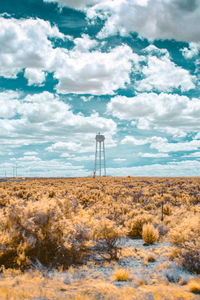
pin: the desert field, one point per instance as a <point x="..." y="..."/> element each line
<point x="100" y="238"/>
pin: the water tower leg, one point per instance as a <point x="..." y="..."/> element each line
<point x="100" y="159"/>
<point x="95" y="164"/>
<point x="104" y="158"/>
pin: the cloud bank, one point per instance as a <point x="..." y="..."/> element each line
<point x="171" y="113"/>
<point x="25" y="43"/>
<point x="44" y="118"/>
<point x="152" y="19"/>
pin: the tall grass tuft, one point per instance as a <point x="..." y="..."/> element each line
<point x="135" y="226"/>
<point x="150" y="235"/>
<point x="121" y="275"/>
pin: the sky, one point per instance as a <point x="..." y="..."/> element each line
<point x="129" y="69"/>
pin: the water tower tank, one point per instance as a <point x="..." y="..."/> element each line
<point x="100" y="138"/>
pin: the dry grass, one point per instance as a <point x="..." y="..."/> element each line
<point x="34" y="285"/>
<point x="150" y="257"/>
<point x="186" y="236"/>
<point x="150" y="235"/>
<point x="135" y="225"/>
<point x="166" y="292"/>
<point x="121" y="275"/>
<point x="57" y="223"/>
<point x="194" y="286"/>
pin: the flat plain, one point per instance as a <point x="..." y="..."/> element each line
<point x="100" y="238"/>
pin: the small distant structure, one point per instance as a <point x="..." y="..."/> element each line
<point x="94" y="173"/>
<point x="100" y="159"/>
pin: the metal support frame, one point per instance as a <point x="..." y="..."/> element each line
<point x="100" y="158"/>
<point x="104" y="158"/>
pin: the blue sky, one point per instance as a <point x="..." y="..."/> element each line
<point x="129" y="69"/>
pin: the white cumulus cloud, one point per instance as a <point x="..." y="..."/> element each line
<point x="75" y="4"/>
<point x="44" y="118"/>
<point x="34" y="76"/>
<point x="97" y="73"/>
<point x="192" y="51"/>
<point x="25" y="45"/>
<point x="171" y="113"/>
<point x="9" y="103"/>
<point x="119" y="160"/>
<point x="181" y="168"/>
<point x="162" y="74"/>
<point x="175" y="147"/>
<point x="153" y="155"/>
<point x="161" y="144"/>
<point x="153" y="19"/>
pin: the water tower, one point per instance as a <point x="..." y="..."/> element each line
<point x="100" y="159"/>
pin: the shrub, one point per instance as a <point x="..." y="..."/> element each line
<point x="39" y="232"/>
<point x="185" y="230"/>
<point x="167" y="209"/>
<point x="186" y="236"/>
<point x="190" y="256"/>
<point x="135" y="225"/>
<point x="150" y="235"/>
<point x="52" y="194"/>
<point x="107" y="235"/>
<point x="121" y="275"/>
<point x="151" y="257"/>
<point x="174" y="253"/>
<point x="194" y="286"/>
<point x="76" y="237"/>
<point x="162" y="229"/>
<point x="41" y="219"/>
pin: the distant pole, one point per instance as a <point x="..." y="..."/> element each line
<point x="162" y="211"/>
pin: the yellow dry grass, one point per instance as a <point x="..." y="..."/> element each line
<point x="56" y="223"/>
<point x="121" y="275"/>
<point x="150" y="235"/>
<point x="194" y="286"/>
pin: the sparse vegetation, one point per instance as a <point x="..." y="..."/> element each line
<point x="150" y="235"/>
<point x="135" y="225"/>
<point x="58" y="223"/>
<point x="186" y="236"/>
<point x="121" y="275"/>
<point x="106" y="235"/>
<point x="151" y="257"/>
<point x="194" y="286"/>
